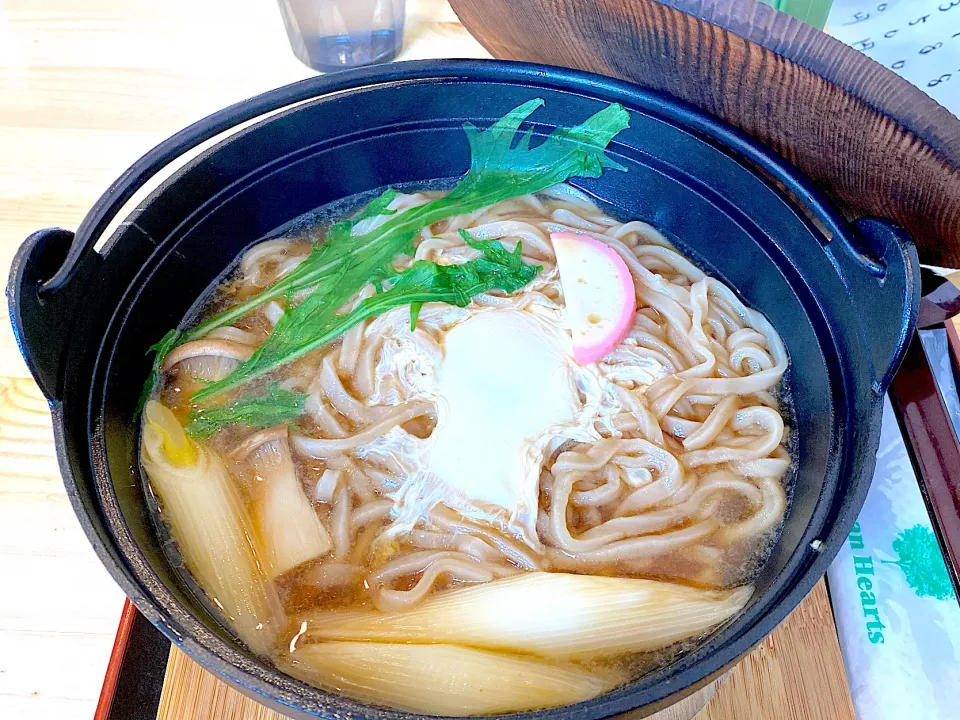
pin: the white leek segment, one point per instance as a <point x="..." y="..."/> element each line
<point x="205" y="513"/>
<point x="290" y="531"/>
<point x="555" y="615"/>
<point x="447" y="679"/>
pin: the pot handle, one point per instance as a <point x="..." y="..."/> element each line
<point x="190" y="138"/>
<point x="54" y="268"/>
<point x="44" y="319"/>
<point x="882" y="276"/>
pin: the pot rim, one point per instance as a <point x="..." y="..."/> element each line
<point x="802" y="571"/>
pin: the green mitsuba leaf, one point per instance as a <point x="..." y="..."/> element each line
<point x="160" y="349"/>
<point x="300" y="332"/>
<point x="503" y="165"/>
<point x="275" y="406"/>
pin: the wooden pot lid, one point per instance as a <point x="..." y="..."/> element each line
<point x="876" y="143"/>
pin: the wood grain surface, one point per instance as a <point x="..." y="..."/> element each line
<point x="192" y="693"/>
<point x="796" y="673"/>
<point x="871" y="139"/>
<point x="58" y="606"/>
<point x="86" y="87"/>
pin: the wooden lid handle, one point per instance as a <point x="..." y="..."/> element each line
<point x="875" y="142"/>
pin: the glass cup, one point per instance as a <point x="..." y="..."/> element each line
<point x="813" y="12"/>
<point x="333" y="35"/>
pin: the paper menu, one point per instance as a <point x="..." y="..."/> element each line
<point x="896" y="611"/>
<point x="917" y="39"/>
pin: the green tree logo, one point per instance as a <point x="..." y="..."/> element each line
<point x="922" y="564"/>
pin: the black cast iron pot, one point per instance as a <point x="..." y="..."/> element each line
<point x="844" y="298"/>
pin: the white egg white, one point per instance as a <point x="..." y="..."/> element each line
<point x="507" y="392"/>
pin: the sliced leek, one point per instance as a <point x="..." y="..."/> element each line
<point x="448" y="679"/>
<point x="555" y="615"/>
<point x="290" y="531"/>
<point x="204" y="511"/>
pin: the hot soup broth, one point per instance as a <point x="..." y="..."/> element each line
<point x="525" y="456"/>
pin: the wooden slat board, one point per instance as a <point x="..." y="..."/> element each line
<point x="794" y="674"/>
<point x="192" y="693"/>
<point x="58" y="606"/>
<point x="87" y="86"/>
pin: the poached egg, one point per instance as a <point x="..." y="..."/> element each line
<point x="507" y="390"/>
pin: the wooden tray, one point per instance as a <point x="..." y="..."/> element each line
<point x="796" y="672"/>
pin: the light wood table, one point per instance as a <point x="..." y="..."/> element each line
<point x="86" y="87"/>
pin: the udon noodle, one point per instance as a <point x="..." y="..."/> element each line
<point x="664" y="486"/>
